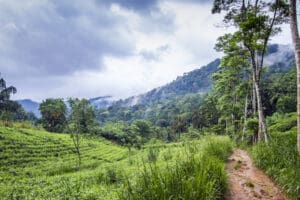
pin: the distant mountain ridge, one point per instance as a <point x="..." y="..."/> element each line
<point x="196" y="81"/>
<point x="279" y="59"/>
<point x="33" y="106"/>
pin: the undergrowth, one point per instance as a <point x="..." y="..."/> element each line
<point x="279" y="159"/>
<point x="199" y="174"/>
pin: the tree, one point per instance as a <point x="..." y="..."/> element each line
<point x="231" y="82"/>
<point x="143" y="128"/>
<point x="296" y="43"/>
<point x="21" y="115"/>
<point x="81" y="120"/>
<point x="179" y="125"/>
<point x="255" y="22"/>
<point x="53" y="114"/>
<point x="7" y="107"/>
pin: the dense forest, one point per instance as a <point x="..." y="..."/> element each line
<point x="172" y="142"/>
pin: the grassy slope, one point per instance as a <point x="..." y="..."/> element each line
<point x="33" y="161"/>
<point x="36" y="164"/>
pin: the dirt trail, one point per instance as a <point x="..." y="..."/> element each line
<point x="247" y="182"/>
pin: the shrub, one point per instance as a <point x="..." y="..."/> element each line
<point x="282" y="123"/>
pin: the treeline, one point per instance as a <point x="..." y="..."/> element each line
<point x="215" y="112"/>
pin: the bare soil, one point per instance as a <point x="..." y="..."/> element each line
<point x="246" y="182"/>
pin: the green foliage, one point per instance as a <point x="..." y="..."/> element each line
<point x="279" y="92"/>
<point x="81" y="119"/>
<point x="280" y="158"/>
<point x="21" y="115"/>
<point x="142" y="128"/>
<point x="113" y="175"/>
<point x="192" y="133"/>
<point x="282" y="122"/>
<point x="123" y="134"/>
<point x="252" y="125"/>
<point x="198" y="175"/>
<point x="8" y="108"/>
<point x="255" y="22"/>
<point x="153" y="153"/>
<point x="159" y="113"/>
<point x="231" y="82"/>
<point x="53" y="114"/>
<point x="36" y="164"/>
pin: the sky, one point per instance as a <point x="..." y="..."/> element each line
<point x="91" y="48"/>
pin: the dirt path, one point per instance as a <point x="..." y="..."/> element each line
<point x="247" y="182"/>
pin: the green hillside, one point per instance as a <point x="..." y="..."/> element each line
<point x="34" y="160"/>
<point x="36" y="164"/>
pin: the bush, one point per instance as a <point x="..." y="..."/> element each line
<point x="282" y="123"/>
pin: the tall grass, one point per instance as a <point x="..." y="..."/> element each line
<point x="279" y="159"/>
<point x="198" y="175"/>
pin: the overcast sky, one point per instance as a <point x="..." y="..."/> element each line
<point x="90" y="48"/>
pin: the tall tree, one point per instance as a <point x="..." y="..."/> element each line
<point x="296" y="43"/>
<point x="53" y="114"/>
<point x="255" y="22"/>
<point x="231" y="82"/>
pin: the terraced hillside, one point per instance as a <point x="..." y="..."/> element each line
<point x="35" y="159"/>
<point x="36" y="164"/>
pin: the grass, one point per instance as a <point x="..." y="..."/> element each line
<point x="279" y="159"/>
<point x="35" y="164"/>
<point x="198" y="173"/>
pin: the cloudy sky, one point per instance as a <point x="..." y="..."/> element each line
<point x="90" y="48"/>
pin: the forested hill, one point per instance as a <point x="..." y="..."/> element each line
<point x="196" y="81"/>
<point x="280" y="59"/>
<point x="184" y="94"/>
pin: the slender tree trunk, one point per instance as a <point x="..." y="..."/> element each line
<point x="79" y="158"/>
<point x="296" y="43"/>
<point x="226" y="126"/>
<point x="261" y="116"/>
<point x="245" y="118"/>
<point x="76" y="142"/>
<point x="233" y="123"/>
<point x="262" y="127"/>
<point x="254" y="107"/>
